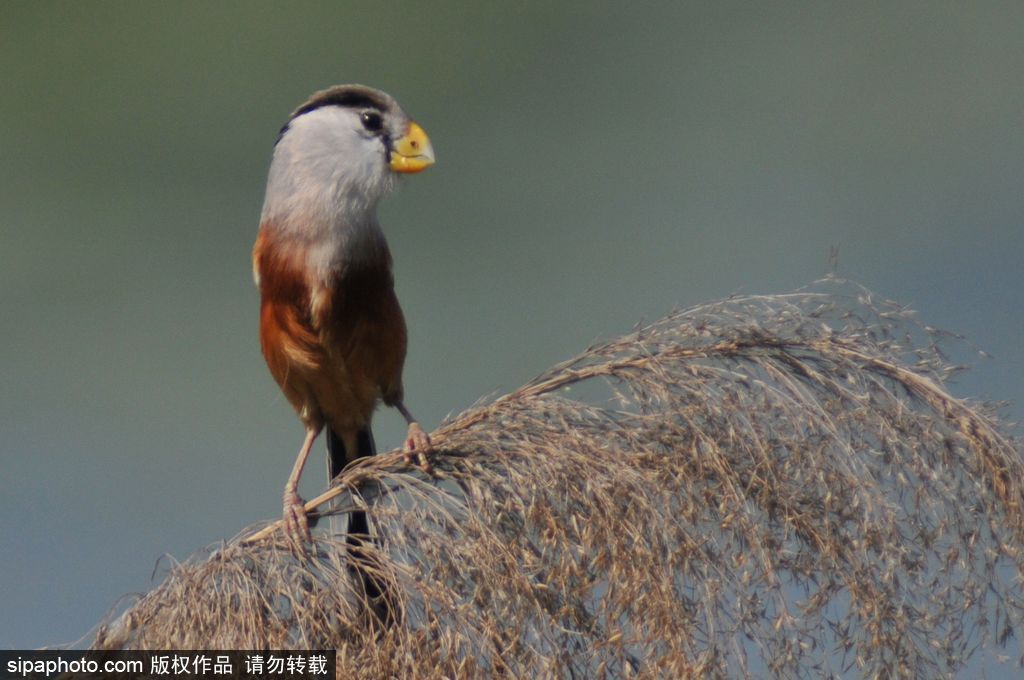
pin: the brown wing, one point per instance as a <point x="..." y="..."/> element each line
<point x="290" y="343"/>
<point x="365" y="328"/>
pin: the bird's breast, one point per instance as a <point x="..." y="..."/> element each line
<point x="334" y="340"/>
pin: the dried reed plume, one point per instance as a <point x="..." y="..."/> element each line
<point x="767" y="485"/>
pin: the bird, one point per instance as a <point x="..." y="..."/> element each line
<point x="330" y="326"/>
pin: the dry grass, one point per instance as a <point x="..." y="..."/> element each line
<point x="764" y="485"/>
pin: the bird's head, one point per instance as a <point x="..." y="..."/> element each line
<point x="340" y="152"/>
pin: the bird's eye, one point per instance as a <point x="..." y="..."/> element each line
<point x="372" y="121"/>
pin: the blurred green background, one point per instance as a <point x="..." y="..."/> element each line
<point x="596" y="166"/>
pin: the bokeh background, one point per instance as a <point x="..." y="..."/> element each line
<point x="597" y="165"/>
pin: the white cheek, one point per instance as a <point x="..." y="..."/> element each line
<point x="360" y="162"/>
<point x="325" y="181"/>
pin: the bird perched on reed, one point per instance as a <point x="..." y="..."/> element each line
<point x="332" y="332"/>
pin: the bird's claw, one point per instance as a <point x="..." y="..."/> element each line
<point x="296" y="525"/>
<point x="417" y="447"/>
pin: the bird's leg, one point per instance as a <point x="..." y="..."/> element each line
<point x="295" y="522"/>
<point x="417" y="443"/>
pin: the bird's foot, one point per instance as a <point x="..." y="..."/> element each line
<point x="417" y="447"/>
<point x="296" y="525"/>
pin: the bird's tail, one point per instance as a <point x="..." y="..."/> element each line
<point x="340" y="454"/>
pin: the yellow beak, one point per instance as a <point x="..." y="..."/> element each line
<point x="413" y="152"/>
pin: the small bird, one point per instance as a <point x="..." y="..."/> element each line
<point x="331" y="329"/>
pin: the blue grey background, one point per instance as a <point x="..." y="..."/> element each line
<point x="598" y="164"/>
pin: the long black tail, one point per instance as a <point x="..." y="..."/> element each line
<point x="338" y="457"/>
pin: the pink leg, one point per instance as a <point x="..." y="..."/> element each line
<point x="417" y="443"/>
<point x="295" y="522"/>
